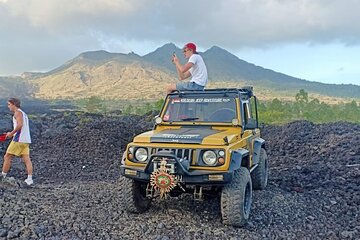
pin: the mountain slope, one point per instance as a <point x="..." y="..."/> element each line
<point x="162" y="57"/>
<point x="106" y="75"/>
<point x="130" y="76"/>
<point x="14" y="87"/>
<point x="224" y="66"/>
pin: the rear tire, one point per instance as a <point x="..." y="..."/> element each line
<point x="134" y="195"/>
<point x="260" y="174"/>
<point x="236" y="199"/>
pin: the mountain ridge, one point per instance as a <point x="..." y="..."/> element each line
<point x="119" y="75"/>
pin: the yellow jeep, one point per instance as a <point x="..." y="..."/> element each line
<point x="204" y="143"/>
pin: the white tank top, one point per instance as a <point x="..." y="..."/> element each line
<point x="23" y="135"/>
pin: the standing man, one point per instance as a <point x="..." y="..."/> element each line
<point x="19" y="145"/>
<point x="194" y="68"/>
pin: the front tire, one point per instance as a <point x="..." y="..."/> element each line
<point x="260" y="174"/>
<point x="236" y="199"/>
<point x="134" y="195"/>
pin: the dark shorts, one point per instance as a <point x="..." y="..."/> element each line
<point x="181" y="86"/>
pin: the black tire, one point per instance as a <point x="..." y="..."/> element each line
<point x="236" y="199"/>
<point x="134" y="195"/>
<point x="260" y="174"/>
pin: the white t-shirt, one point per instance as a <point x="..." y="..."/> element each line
<point x="198" y="71"/>
<point x="23" y="135"/>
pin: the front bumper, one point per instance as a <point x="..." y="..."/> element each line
<point x="182" y="170"/>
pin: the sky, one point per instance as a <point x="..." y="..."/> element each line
<point x="316" y="40"/>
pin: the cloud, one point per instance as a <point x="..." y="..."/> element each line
<point x="37" y="27"/>
<point x="255" y="22"/>
<point x="70" y="16"/>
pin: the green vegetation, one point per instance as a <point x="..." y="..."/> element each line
<point x="93" y="105"/>
<point x="277" y="112"/>
<point x="105" y="106"/>
<point x="270" y="112"/>
<point x="145" y="108"/>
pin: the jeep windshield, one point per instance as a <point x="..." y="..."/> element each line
<point x="200" y="109"/>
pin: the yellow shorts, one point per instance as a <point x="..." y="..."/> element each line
<point x="18" y="149"/>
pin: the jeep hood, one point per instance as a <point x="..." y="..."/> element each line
<point x="190" y="135"/>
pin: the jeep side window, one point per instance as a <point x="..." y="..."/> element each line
<point x="250" y="113"/>
<point x="246" y="112"/>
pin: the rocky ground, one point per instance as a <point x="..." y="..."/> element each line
<point x="313" y="190"/>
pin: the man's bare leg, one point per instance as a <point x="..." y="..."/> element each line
<point x="28" y="164"/>
<point x="29" y="169"/>
<point x="7" y="163"/>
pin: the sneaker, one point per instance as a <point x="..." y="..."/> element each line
<point x="29" y="182"/>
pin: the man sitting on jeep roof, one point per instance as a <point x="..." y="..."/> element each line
<point x="194" y="68"/>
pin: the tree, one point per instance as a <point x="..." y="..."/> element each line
<point x="276" y="104"/>
<point x="94" y="104"/>
<point x="302" y="97"/>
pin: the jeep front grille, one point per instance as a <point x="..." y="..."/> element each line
<point x="179" y="152"/>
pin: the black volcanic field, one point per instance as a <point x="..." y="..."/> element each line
<point x="313" y="191"/>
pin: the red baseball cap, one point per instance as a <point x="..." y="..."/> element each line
<point x="191" y="46"/>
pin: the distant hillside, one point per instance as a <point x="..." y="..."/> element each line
<point x="130" y="76"/>
<point x="161" y="57"/>
<point x="224" y="66"/>
<point x="14" y="86"/>
<point x="108" y="75"/>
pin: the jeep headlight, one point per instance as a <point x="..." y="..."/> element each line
<point x="209" y="157"/>
<point x="141" y="154"/>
